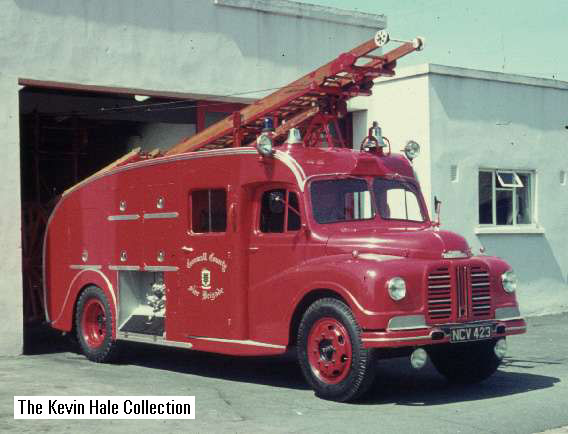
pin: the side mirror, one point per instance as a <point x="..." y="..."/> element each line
<point x="437" y="208"/>
<point x="276" y="202"/>
<point x="306" y="230"/>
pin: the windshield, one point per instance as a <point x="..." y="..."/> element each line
<point x="339" y="200"/>
<point x="397" y="200"/>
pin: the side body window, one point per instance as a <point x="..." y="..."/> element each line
<point x="208" y="211"/>
<point x="280" y="211"/>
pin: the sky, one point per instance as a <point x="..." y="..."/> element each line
<point x="512" y="36"/>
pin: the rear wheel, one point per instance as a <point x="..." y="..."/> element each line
<point x="331" y="353"/>
<point x="466" y="363"/>
<point x="93" y="322"/>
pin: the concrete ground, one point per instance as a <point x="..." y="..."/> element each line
<point x="529" y="393"/>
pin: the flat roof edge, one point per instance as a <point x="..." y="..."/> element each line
<point x="309" y="11"/>
<point x="477" y="74"/>
<point x="60" y="85"/>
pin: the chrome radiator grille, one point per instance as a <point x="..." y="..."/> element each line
<point x="439" y="294"/>
<point x="459" y="293"/>
<point x="480" y="293"/>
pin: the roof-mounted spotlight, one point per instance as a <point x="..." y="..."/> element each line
<point x="294" y="136"/>
<point x="376" y="132"/>
<point x="264" y="142"/>
<point x="268" y="125"/>
<point x="411" y="150"/>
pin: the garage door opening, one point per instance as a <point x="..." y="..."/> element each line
<point x="67" y="134"/>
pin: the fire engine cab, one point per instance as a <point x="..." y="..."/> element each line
<point x="264" y="232"/>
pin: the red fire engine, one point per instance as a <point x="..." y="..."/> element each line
<point x="264" y="232"/>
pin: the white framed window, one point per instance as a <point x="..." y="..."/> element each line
<point x="506" y="198"/>
<point x="508" y="179"/>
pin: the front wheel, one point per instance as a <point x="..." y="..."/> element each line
<point x="465" y="363"/>
<point x="93" y="322"/>
<point x="331" y="353"/>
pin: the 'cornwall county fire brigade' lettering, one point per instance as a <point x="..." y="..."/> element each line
<point x="205" y="294"/>
<point x="196" y="260"/>
<point x="219" y="262"/>
<point x="210" y="258"/>
<point x="211" y="295"/>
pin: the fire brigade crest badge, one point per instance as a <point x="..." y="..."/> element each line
<point x="205" y="278"/>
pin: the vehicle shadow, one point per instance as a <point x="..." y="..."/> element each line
<point x="399" y="384"/>
<point x="396" y="381"/>
<point x="278" y="371"/>
<point x="40" y="338"/>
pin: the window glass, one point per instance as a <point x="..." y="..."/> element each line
<point x="214" y="117"/>
<point x="505" y="197"/>
<point x="272" y="211"/>
<point x="339" y="200"/>
<point x="485" y="197"/>
<point x="294" y="221"/>
<point x="504" y="207"/>
<point x="209" y="211"/>
<point x="397" y="200"/>
<point x="524" y="200"/>
<point x="508" y="179"/>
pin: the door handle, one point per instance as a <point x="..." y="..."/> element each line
<point x="233" y="213"/>
<point x="187" y="249"/>
<point x="254" y="249"/>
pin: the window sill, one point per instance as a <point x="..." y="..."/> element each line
<point x="480" y="230"/>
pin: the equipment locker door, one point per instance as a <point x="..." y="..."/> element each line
<point x="203" y="302"/>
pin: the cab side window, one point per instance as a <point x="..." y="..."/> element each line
<point x="208" y="211"/>
<point x="279" y="211"/>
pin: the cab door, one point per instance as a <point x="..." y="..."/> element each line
<point x="276" y="247"/>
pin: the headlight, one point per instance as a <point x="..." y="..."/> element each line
<point x="397" y="288"/>
<point x="509" y="280"/>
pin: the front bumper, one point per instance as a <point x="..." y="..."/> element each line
<point x="437" y="334"/>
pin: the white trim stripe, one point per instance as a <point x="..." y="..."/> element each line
<point x="124" y="267"/>
<point x="85" y="267"/>
<point x="516" y="328"/>
<point x="293" y="165"/>
<point x="107" y="281"/>
<point x="239" y="342"/>
<point x="120" y="217"/>
<point x="415" y="338"/>
<point x="161" y="215"/>
<point x="160" y="268"/>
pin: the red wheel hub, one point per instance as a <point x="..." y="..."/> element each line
<point x="93" y="323"/>
<point x="329" y="350"/>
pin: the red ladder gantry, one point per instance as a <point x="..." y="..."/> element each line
<point x="310" y="103"/>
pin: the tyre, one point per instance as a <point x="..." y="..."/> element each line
<point x="466" y="363"/>
<point x="93" y="322"/>
<point x="331" y="353"/>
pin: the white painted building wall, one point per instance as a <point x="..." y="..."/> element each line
<point x="202" y="47"/>
<point x="401" y="109"/>
<point x="475" y="119"/>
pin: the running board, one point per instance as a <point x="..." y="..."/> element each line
<point x="151" y="339"/>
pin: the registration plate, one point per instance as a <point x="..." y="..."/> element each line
<point x="465" y="334"/>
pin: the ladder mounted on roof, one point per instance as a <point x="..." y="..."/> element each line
<point x="309" y="103"/>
